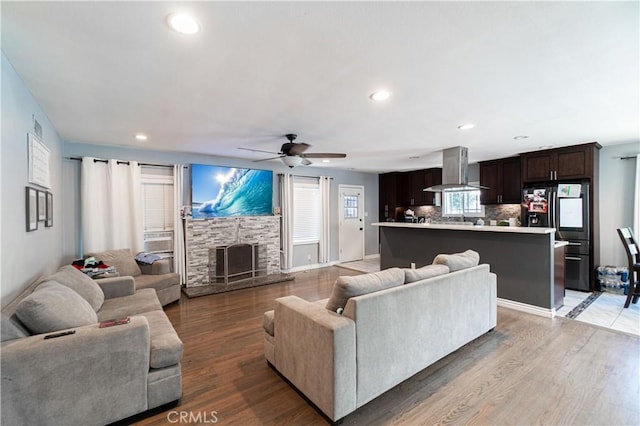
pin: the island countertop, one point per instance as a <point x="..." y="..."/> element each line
<point x="469" y="227"/>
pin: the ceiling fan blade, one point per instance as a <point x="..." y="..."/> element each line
<point x="323" y="155"/>
<point x="298" y="148"/>
<point x="258" y="150"/>
<point x="267" y="159"/>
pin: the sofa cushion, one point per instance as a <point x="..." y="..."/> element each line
<point x="166" y="346"/>
<point x="142" y="301"/>
<point x="429" y="271"/>
<point x="123" y="260"/>
<point x="81" y="284"/>
<point x="52" y="307"/>
<point x="159" y="282"/>
<point x="350" y="286"/>
<point x="458" y="261"/>
<point x="267" y="322"/>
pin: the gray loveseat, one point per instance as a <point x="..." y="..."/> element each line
<point x="342" y="361"/>
<point x="157" y="276"/>
<point x="96" y="375"/>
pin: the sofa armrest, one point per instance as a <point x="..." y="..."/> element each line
<point x="117" y="286"/>
<point x="316" y="351"/>
<point x="159" y="267"/>
<point x="78" y="378"/>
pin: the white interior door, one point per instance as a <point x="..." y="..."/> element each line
<point x="351" y="223"/>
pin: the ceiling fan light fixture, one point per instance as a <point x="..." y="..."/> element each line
<point x="466" y="126"/>
<point x="380" y="95"/>
<point x="291" y="161"/>
<point x="183" y="23"/>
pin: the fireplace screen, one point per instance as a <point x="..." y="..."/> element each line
<point x="236" y="262"/>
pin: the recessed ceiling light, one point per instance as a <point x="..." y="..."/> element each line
<point x="466" y="126"/>
<point x="520" y="137"/>
<point x="183" y="23"/>
<point x="380" y="95"/>
<point x="326" y="160"/>
<point x="141" y="137"/>
<point x="545" y="147"/>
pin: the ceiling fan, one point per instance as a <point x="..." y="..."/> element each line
<point x="293" y="153"/>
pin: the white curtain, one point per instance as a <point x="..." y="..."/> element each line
<point x="111" y="207"/>
<point x="636" y="201"/>
<point x="325" y="197"/>
<point x="286" y="203"/>
<point x="179" y="252"/>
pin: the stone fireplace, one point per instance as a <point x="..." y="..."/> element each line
<point x="248" y="247"/>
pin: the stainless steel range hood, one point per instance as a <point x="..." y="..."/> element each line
<point x="455" y="171"/>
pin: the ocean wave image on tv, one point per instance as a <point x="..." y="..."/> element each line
<point x="225" y="191"/>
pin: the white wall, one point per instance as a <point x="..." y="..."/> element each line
<point x="616" y="188"/>
<point x="25" y="255"/>
<point x="368" y="180"/>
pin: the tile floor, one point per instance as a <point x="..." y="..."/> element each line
<point x="606" y="311"/>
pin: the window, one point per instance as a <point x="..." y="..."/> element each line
<point x="307" y="212"/>
<point x="462" y="203"/>
<point x="158" y="208"/>
<point x="350" y="207"/>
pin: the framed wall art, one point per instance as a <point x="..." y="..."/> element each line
<point x="49" y="219"/>
<point x="39" y="158"/>
<point x="31" y="208"/>
<point x="42" y="206"/>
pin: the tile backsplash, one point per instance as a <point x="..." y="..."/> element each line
<point x="492" y="212"/>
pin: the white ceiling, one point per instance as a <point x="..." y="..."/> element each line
<point x="562" y="73"/>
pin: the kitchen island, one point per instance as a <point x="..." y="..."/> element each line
<point x="522" y="258"/>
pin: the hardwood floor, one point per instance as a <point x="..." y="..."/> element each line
<point x="529" y="370"/>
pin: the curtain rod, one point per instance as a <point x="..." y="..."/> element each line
<point x="312" y="177"/>
<point x="100" y="160"/>
<point x="629" y="157"/>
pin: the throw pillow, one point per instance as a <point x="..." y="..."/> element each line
<point x="123" y="260"/>
<point x="53" y="307"/>
<point x="429" y="271"/>
<point x="458" y="261"/>
<point x="347" y="287"/>
<point x="81" y="284"/>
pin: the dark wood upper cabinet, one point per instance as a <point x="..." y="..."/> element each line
<point x="410" y="188"/>
<point x="502" y="177"/>
<point x="387" y="196"/>
<point x="572" y="162"/>
<point x="432" y="177"/>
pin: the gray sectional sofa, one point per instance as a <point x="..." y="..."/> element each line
<point x="378" y="330"/>
<point x="95" y="375"/>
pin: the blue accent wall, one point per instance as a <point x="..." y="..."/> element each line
<point x="24" y="255"/>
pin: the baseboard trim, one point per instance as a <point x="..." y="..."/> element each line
<point x="310" y="267"/>
<point x="372" y="256"/>
<point x="530" y="309"/>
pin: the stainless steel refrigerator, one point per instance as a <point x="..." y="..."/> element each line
<point x="565" y="207"/>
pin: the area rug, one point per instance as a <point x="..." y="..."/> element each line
<point x="204" y="290"/>
<point x="573" y="314"/>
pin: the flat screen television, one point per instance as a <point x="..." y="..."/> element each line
<point x="218" y="191"/>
